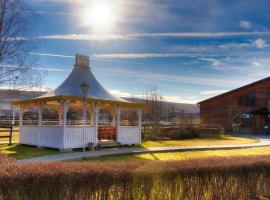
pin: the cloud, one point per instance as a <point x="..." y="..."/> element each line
<point x="174" y="78"/>
<point x="120" y="93"/>
<point x="216" y="63"/>
<point x="131" y="55"/>
<point x="256" y="64"/>
<point x="52" y="55"/>
<point x="179" y="99"/>
<point x="213" y="92"/>
<point x="260" y="43"/>
<point x="128" y="36"/>
<point x="245" y="24"/>
<point x="84" y="37"/>
<point x="149" y="55"/>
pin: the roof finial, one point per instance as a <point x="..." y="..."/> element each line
<point x="82" y="61"/>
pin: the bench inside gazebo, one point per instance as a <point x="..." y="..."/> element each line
<point x="80" y="111"/>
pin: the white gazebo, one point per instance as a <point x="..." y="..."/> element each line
<point x="80" y="91"/>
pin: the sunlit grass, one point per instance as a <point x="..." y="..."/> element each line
<point x="223" y="140"/>
<point x="15" y="136"/>
<point x="185" y="155"/>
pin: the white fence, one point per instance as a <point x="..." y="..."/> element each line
<point x="42" y="136"/>
<point x="76" y="137"/>
<point x="129" y="135"/>
<point x="73" y="136"/>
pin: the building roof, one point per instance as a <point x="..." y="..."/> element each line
<point x="235" y="90"/>
<point x="71" y="87"/>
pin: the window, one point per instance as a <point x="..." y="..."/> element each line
<point x="246" y="100"/>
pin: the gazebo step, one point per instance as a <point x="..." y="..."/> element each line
<point x="108" y="143"/>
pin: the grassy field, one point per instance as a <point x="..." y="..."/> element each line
<point x="20" y="151"/>
<point x="223" y="140"/>
<point x="185" y="155"/>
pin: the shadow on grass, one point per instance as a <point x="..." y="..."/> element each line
<point x="24" y="151"/>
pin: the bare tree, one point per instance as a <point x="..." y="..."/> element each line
<point x="16" y="65"/>
<point x="154" y="106"/>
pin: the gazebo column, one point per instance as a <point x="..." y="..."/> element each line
<point x="96" y="112"/>
<point x="113" y="117"/>
<point x="40" y="107"/>
<point x="140" y="122"/>
<point x="118" y="122"/>
<point x="64" y="108"/>
<point x="60" y="117"/>
<point x="21" y="111"/>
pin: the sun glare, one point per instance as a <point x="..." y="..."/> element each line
<point x="99" y="16"/>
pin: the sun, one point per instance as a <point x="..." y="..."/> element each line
<point x="99" y="16"/>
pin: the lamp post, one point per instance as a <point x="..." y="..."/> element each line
<point x="167" y="107"/>
<point x="84" y="88"/>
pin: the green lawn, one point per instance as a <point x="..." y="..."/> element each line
<point x="223" y="140"/>
<point x="21" y="151"/>
<point x="185" y="155"/>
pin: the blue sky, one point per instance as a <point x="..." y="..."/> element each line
<point x="189" y="50"/>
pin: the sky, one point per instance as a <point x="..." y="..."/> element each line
<point x="188" y="50"/>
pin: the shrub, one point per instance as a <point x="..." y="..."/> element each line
<point x="153" y="132"/>
<point x="181" y="133"/>
<point x="210" y="131"/>
<point x="214" y="178"/>
<point x="4" y="159"/>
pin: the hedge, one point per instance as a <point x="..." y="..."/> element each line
<point x="213" y="178"/>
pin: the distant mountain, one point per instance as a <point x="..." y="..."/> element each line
<point x="179" y="107"/>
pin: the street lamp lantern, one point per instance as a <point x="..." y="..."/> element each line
<point x="84" y="89"/>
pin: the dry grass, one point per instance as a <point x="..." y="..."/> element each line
<point x="216" y="178"/>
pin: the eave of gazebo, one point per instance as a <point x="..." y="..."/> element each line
<point x="58" y="99"/>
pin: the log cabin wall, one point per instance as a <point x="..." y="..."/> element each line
<point x="223" y="108"/>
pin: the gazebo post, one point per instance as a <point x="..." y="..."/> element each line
<point x="40" y="114"/>
<point x="64" y="108"/>
<point x="21" y="115"/>
<point x="96" y="111"/>
<point x="113" y="117"/>
<point x="140" y="121"/>
<point x="118" y="122"/>
<point x="39" y="123"/>
<point x="60" y="116"/>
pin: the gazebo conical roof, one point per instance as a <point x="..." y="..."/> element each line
<point x="71" y="87"/>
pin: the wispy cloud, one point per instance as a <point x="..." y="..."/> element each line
<point x="260" y="43"/>
<point x="100" y="37"/>
<point x="51" y="55"/>
<point x="150" y="55"/>
<point x="245" y="24"/>
<point x="131" y="55"/>
<point x="84" y="37"/>
<point x="213" y="92"/>
<point x="180" y="79"/>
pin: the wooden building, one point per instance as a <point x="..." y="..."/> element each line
<point x="249" y="103"/>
